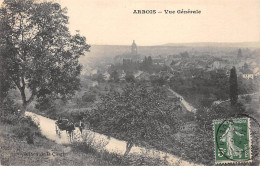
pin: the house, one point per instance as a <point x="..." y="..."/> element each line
<point x="247" y="73"/>
<point x="248" y="76"/>
<point x="122" y="75"/>
<point x="138" y="73"/>
<point x="94" y="71"/>
<point x="94" y="83"/>
<point x="165" y="74"/>
<point x="159" y="60"/>
<point x="144" y="76"/>
<point x="216" y="65"/>
<point x="106" y="75"/>
<point x="256" y="71"/>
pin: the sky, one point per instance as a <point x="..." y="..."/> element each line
<point x="112" y="22"/>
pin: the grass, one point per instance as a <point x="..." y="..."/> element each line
<point x="16" y="152"/>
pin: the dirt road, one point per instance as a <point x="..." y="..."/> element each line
<point x="188" y="106"/>
<point x="100" y="141"/>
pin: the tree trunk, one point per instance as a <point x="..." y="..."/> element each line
<point x="22" y="92"/>
<point x="129" y="145"/>
<point x="26" y="102"/>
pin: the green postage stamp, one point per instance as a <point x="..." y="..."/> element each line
<point x="232" y="140"/>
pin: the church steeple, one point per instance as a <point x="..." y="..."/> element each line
<point x="134" y="48"/>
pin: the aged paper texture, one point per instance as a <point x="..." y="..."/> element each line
<point x="129" y="82"/>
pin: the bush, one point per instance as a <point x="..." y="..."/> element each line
<point x="26" y="128"/>
<point x="130" y="78"/>
<point x="88" y="97"/>
<point x="116" y="159"/>
<point x="10" y="118"/>
<point x="248" y="99"/>
<point x="8" y="112"/>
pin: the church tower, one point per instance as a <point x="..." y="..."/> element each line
<point x="134" y="48"/>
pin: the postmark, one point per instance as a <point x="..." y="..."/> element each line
<point x="232" y="140"/>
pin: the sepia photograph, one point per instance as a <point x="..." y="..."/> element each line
<point x="129" y="83"/>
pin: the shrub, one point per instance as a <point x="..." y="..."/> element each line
<point x="10" y="118"/>
<point x="88" y="97"/>
<point x="248" y="99"/>
<point x="8" y="112"/>
<point x="26" y="128"/>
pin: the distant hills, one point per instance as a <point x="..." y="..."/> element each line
<point x="218" y="44"/>
<point x="106" y="53"/>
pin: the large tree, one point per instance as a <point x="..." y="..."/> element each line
<point x="139" y="114"/>
<point x="39" y="53"/>
<point x="233" y="88"/>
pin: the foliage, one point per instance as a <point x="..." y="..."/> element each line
<point x="239" y="53"/>
<point x="114" y="76"/>
<point x="139" y="114"/>
<point x="118" y="160"/>
<point x="25" y="127"/>
<point x="233" y="87"/>
<point x="184" y="54"/>
<point x="98" y="77"/>
<point x="247" y="86"/>
<point x="204" y="141"/>
<point x="49" y="106"/>
<point x="44" y="104"/>
<point x="38" y="50"/>
<point x="129" y="65"/>
<point x="89" y="97"/>
<point x="248" y="99"/>
<point x="8" y="111"/>
<point x="130" y="78"/>
<point x="147" y="64"/>
<point x="158" y="80"/>
<point x="200" y="87"/>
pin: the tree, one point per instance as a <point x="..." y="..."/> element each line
<point x="130" y="78"/>
<point x="233" y="87"/>
<point x="239" y="53"/>
<point x="88" y="97"/>
<point x="39" y="52"/>
<point x="139" y="114"/>
<point x="184" y="54"/>
<point x="114" y="76"/>
<point x="158" y="80"/>
<point x="99" y="77"/>
<point x="147" y="64"/>
<point x="172" y="63"/>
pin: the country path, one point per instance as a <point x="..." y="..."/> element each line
<point x="188" y="106"/>
<point x="100" y="141"/>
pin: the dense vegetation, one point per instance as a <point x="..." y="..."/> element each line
<point x="38" y="52"/>
<point x="138" y="114"/>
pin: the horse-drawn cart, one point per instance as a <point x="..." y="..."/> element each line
<point x="64" y="124"/>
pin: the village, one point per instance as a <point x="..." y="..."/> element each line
<point x="116" y="84"/>
<point x="183" y="66"/>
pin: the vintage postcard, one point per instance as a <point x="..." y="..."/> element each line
<point x="129" y="83"/>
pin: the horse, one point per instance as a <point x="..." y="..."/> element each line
<point x="65" y="124"/>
